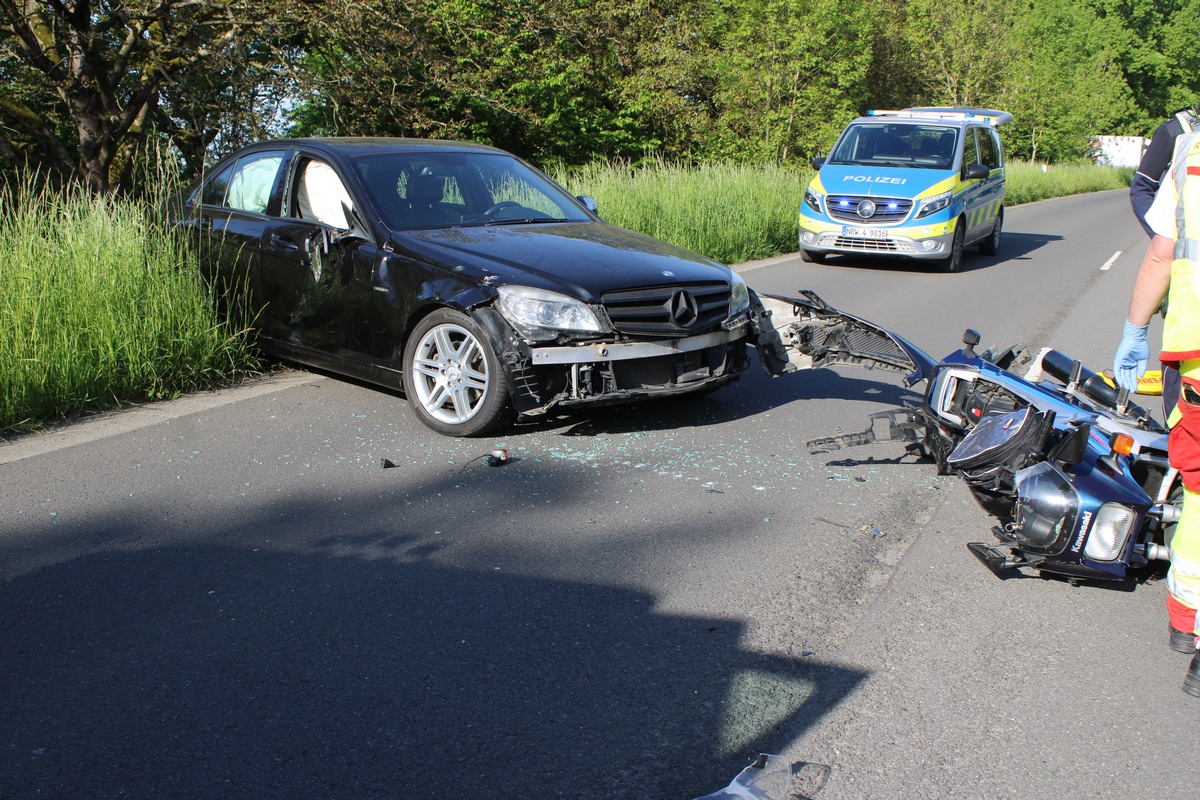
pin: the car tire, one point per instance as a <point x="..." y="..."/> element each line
<point x="452" y="378"/>
<point x="812" y="257"/>
<point x="953" y="261"/>
<point x="991" y="245"/>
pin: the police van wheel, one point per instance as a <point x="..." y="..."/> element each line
<point x="811" y="257"/>
<point x="991" y="245"/>
<point x="952" y="262"/>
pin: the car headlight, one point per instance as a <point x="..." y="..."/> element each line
<point x="540" y="314"/>
<point x="813" y="200"/>
<point x="1110" y="531"/>
<point x="739" y="295"/>
<point x="932" y="205"/>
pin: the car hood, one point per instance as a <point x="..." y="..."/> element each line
<point x="880" y="181"/>
<point x="581" y="259"/>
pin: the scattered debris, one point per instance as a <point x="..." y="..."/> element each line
<point x="773" y="778"/>
<point x="386" y="463"/>
<point x="831" y="522"/>
<point x="873" y="530"/>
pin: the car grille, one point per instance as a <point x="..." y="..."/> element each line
<point x="668" y="310"/>
<point x="888" y="210"/>
<point x="874" y="245"/>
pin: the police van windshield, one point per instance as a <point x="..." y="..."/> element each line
<point x="893" y="144"/>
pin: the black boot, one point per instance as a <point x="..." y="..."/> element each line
<point x="1182" y="641"/>
<point x="1191" y="681"/>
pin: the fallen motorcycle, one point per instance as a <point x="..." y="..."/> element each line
<point x="1076" y="475"/>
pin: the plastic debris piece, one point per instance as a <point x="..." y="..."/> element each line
<point x="498" y="457"/>
<point x="386" y="463"/>
<point x="773" y="778"/>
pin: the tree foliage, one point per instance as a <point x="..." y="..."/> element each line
<point x="88" y="84"/>
<point x="93" y="79"/>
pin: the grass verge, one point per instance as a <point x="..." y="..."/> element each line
<point x="101" y="307"/>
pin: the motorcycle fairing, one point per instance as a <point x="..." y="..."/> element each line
<point x="799" y="333"/>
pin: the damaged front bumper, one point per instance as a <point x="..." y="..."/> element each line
<point x="542" y="377"/>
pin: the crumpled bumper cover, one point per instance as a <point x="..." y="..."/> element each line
<point x="542" y="377"/>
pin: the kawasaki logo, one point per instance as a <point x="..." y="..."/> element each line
<point x="1083" y="526"/>
<point x="874" y="179"/>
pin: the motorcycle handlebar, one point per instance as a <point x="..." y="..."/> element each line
<point x="1091" y="385"/>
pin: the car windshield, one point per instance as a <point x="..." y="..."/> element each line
<point x="442" y="189"/>
<point x="896" y="144"/>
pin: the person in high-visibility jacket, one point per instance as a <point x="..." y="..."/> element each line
<point x="1142" y="191"/>
<point x="1173" y="262"/>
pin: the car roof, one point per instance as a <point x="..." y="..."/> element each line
<point x="362" y="145"/>
<point x="952" y="116"/>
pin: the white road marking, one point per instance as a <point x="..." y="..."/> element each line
<point x="1111" y="261"/>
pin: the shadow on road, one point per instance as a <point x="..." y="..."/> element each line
<point x="360" y="668"/>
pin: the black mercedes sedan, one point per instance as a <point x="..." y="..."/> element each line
<point x="462" y="276"/>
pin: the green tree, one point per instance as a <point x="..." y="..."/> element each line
<point x="90" y="77"/>
<point x="790" y="75"/>
<point x="963" y="47"/>
<point x="1065" y="83"/>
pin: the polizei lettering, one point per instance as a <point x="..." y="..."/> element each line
<point x="1083" y="526"/>
<point x="874" y="179"/>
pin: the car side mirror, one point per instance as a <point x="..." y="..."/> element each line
<point x="354" y="234"/>
<point x="977" y="172"/>
<point x="819" y="162"/>
<point x="589" y="203"/>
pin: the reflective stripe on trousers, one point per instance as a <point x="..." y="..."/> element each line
<point x="1183" y="579"/>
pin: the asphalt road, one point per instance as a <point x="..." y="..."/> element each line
<point x="229" y="596"/>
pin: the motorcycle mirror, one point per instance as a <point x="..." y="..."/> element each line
<point x="1072" y="447"/>
<point x="970" y="339"/>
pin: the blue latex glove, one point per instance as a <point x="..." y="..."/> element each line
<point x="1132" y="355"/>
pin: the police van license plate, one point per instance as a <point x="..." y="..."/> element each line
<point x="864" y="233"/>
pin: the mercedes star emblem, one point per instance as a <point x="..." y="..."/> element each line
<point x="683" y="308"/>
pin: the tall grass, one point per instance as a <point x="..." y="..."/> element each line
<point x="733" y="213"/>
<point x="728" y="212"/>
<point x="100" y="306"/>
<point x="1027" y="182"/>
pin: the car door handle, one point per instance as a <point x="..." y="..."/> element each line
<point x="282" y="243"/>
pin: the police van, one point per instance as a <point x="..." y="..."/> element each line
<point x="920" y="183"/>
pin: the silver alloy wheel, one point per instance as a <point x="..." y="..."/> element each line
<point x="450" y="373"/>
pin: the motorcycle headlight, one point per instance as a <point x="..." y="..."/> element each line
<point x="813" y="200"/>
<point x="540" y="314"/>
<point x="1110" y="531"/>
<point x="1047" y="507"/>
<point x="932" y="205"/>
<point x="739" y="295"/>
